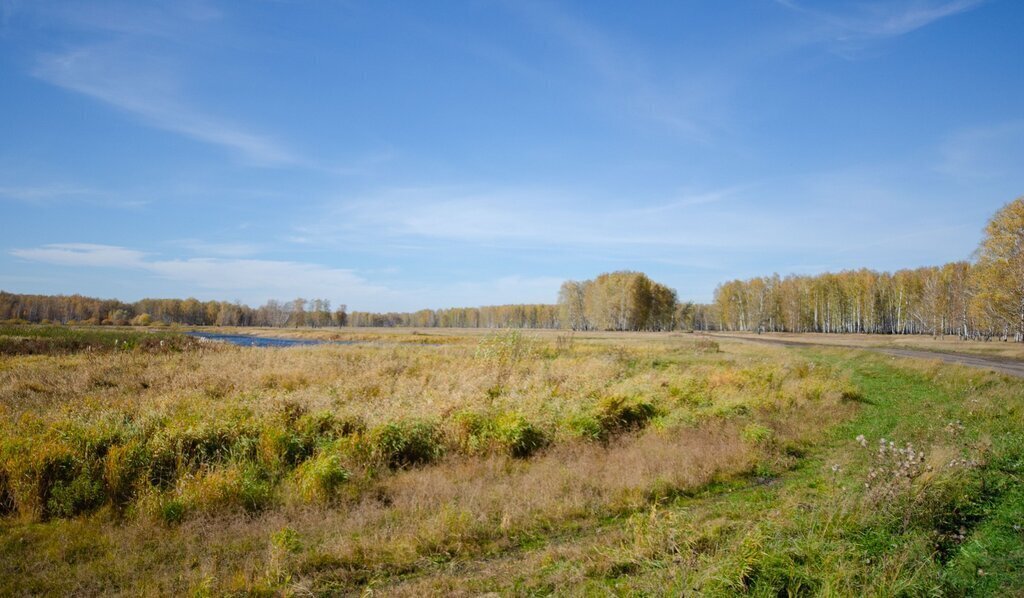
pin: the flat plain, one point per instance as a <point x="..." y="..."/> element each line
<point x="421" y="462"/>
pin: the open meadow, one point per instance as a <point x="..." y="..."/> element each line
<point x="447" y="462"/>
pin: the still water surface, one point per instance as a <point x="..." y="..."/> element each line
<point x="245" y="340"/>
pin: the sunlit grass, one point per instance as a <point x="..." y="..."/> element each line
<point x="634" y="462"/>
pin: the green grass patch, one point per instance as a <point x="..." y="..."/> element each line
<point x="39" y="339"/>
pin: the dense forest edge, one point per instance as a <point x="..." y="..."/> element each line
<point x="979" y="299"/>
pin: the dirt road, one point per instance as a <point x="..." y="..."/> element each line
<point x="1010" y="367"/>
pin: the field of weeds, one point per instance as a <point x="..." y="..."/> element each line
<point x="518" y="462"/>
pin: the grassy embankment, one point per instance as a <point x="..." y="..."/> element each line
<point x="18" y="339"/>
<point x="508" y="462"/>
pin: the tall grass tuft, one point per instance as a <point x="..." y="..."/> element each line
<point x="320" y="478"/>
<point x="506" y="432"/>
<point x="406" y="443"/>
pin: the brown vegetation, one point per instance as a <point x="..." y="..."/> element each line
<point x="327" y="467"/>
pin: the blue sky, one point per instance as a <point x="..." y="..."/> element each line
<point x="399" y="155"/>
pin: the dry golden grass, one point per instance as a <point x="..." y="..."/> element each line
<point x="209" y="470"/>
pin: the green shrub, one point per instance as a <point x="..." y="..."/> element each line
<point x="123" y="467"/>
<point x="50" y="482"/>
<point x="227" y="488"/>
<point x="850" y="392"/>
<point x="518" y="437"/>
<point x="6" y="494"/>
<point x="324" y="426"/>
<point x="281" y="447"/>
<point x="406" y="443"/>
<point x="756" y="434"/>
<point x="587" y="427"/>
<point x="204" y="444"/>
<point x="319" y="478"/>
<point x="79" y="492"/>
<point x="692" y="392"/>
<point x="163" y="464"/>
<point x="470" y="429"/>
<point x="255" y="489"/>
<point x="287" y="540"/>
<point x="296" y="435"/>
<point x="172" y="511"/>
<point x="619" y="414"/>
<point x="174" y="451"/>
<point x="507" y="432"/>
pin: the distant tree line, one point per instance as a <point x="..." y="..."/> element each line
<point x="78" y="309"/>
<point x="926" y="300"/>
<point x="983" y="299"/>
<point x="539" y="315"/>
<point x="979" y="299"/>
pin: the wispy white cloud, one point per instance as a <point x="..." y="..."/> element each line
<point x="690" y="104"/>
<point x="59" y="193"/>
<point x="255" y="280"/>
<point x="734" y="218"/>
<point x="83" y="254"/>
<point x="825" y="213"/>
<point x="252" y="279"/>
<point x="44" y="193"/>
<point x="850" y="28"/>
<point x="132" y="58"/>
<point x="146" y="88"/>
<point x="888" y="20"/>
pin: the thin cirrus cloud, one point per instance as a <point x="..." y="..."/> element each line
<point x="731" y="217"/>
<point x="38" y="194"/>
<point x="854" y="31"/>
<point x="57" y="193"/>
<point x="250" y="279"/>
<point x="893" y="19"/>
<point x="689" y="106"/>
<point x="133" y="64"/>
<point x="143" y="87"/>
<point x="862" y="23"/>
<point x="727" y="221"/>
<point x="254" y="281"/>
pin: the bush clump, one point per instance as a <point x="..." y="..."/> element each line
<point x="757" y="434"/>
<point x="123" y="467"/>
<point x="519" y="437"/>
<point x="226" y="488"/>
<point x="619" y="414"/>
<point x="319" y="478"/>
<point x="298" y="434"/>
<point x="509" y="433"/>
<point x="587" y="427"/>
<point x="612" y="416"/>
<point x="74" y="491"/>
<point x="281" y="447"/>
<point x="405" y="443"/>
<point x="51" y="482"/>
<point x="6" y="494"/>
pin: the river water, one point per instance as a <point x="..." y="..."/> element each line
<point x="244" y="340"/>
